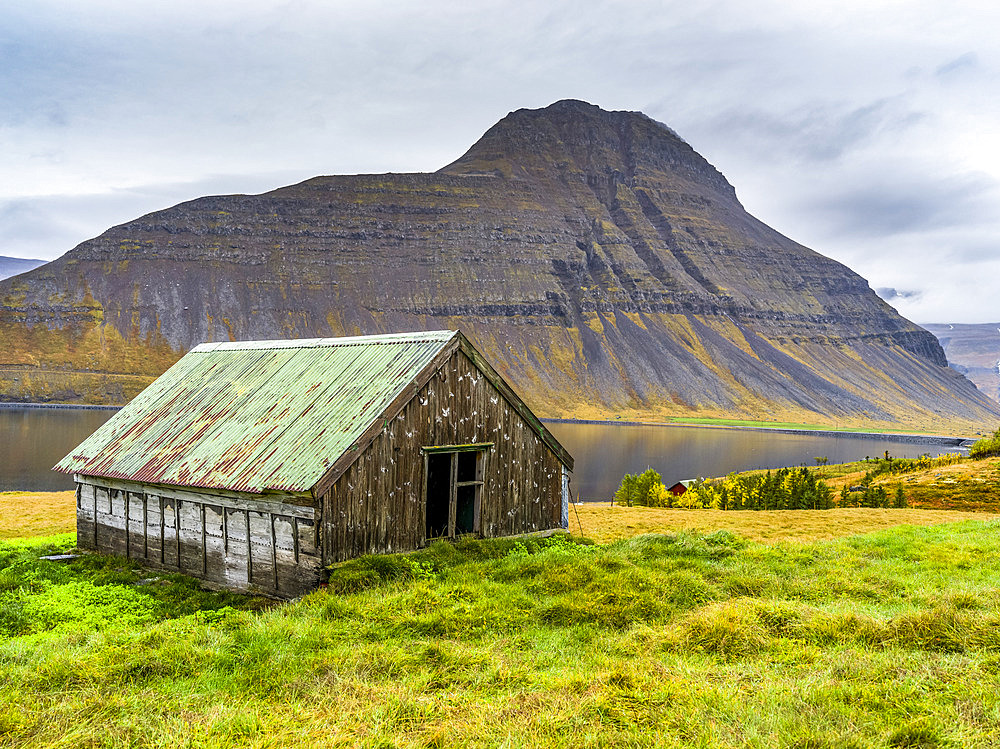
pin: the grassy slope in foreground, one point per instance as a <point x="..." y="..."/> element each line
<point x="887" y="639"/>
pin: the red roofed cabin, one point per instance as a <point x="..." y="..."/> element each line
<point x="254" y="465"/>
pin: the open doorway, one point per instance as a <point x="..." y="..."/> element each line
<point x="438" y="494"/>
<point x="454" y="489"/>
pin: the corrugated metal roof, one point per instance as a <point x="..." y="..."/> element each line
<point x="257" y="415"/>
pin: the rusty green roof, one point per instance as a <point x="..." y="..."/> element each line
<point x="256" y="416"/>
<point x="259" y="416"/>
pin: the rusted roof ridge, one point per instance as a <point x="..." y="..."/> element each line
<point x="179" y="433"/>
<point x="234" y="413"/>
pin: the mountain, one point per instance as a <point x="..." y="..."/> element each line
<point x="11" y="266"/>
<point x="601" y="263"/>
<point x="973" y="350"/>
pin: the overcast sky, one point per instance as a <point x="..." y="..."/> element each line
<point x="868" y="131"/>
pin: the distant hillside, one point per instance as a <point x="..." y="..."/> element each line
<point x="973" y="350"/>
<point x="11" y="266"/>
<point x="605" y="266"/>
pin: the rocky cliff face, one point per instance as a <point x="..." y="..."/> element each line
<point x="603" y="264"/>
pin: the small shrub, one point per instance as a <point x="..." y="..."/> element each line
<point x="645" y="489"/>
<point x="784" y="489"/>
<point x="986" y="447"/>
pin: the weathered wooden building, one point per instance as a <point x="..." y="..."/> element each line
<point x="253" y="465"/>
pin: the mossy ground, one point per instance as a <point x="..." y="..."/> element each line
<point x="889" y="639"/>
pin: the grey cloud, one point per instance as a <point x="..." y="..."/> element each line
<point x="898" y="203"/>
<point x="962" y="63"/>
<point x="890" y="294"/>
<point x="804" y="116"/>
<point x="819" y="133"/>
<point x="47" y="226"/>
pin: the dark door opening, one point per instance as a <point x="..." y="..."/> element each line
<point x="454" y="490"/>
<point x="438" y="494"/>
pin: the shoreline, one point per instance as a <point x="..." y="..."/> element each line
<point x="81" y="406"/>
<point x="902" y="437"/>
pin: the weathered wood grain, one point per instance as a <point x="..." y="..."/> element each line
<point x="266" y="547"/>
<point x="377" y="505"/>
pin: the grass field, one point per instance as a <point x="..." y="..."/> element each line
<point x="704" y="638"/>
<point x="36" y="513"/>
<point x="605" y="524"/>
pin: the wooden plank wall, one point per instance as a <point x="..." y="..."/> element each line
<point x="280" y="556"/>
<point x="377" y="505"/>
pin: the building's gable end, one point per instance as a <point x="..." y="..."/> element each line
<point x="378" y="504"/>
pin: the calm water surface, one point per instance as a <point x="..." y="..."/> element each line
<point x="32" y="440"/>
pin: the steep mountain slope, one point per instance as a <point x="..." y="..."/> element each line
<point x="595" y="256"/>
<point x="11" y="266"/>
<point x="973" y="350"/>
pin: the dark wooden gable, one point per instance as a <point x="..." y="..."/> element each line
<point x="377" y="502"/>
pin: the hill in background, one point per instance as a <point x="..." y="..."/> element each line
<point x="601" y="263"/>
<point x="11" y="266"/>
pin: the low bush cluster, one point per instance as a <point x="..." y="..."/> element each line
<point x="866" y="494"/>
<point x="986" y="447"/>
<point x="784" y="489"/>
<point x="644" y="489"/>
<point x="875" y="467"/>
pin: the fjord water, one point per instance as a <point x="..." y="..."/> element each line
<point x="32" y="440"/>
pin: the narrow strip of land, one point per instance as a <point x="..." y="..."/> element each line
<point x="604" y="524"/>
<point x="26" y="514"/>
<point x="912" y="437"/>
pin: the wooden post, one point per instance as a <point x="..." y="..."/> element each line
<point x="274" y="551"/>
<point x="295" y="538"/>
<point x="95" y="517"/>
<point x="204" y="548"/>
<point x="127" y="495"/>
<point x="249" y="552"/>
<point x="145" y="525"/>
<point x="225" y="530"/>
<point x="453" y="495"/>
<point x="160" y="498"/>
<point x="177" y="530"/>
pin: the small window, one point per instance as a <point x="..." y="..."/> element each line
<point x="454" y="485"/>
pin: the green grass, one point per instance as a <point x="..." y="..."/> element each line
<point x="884" y="640"/>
